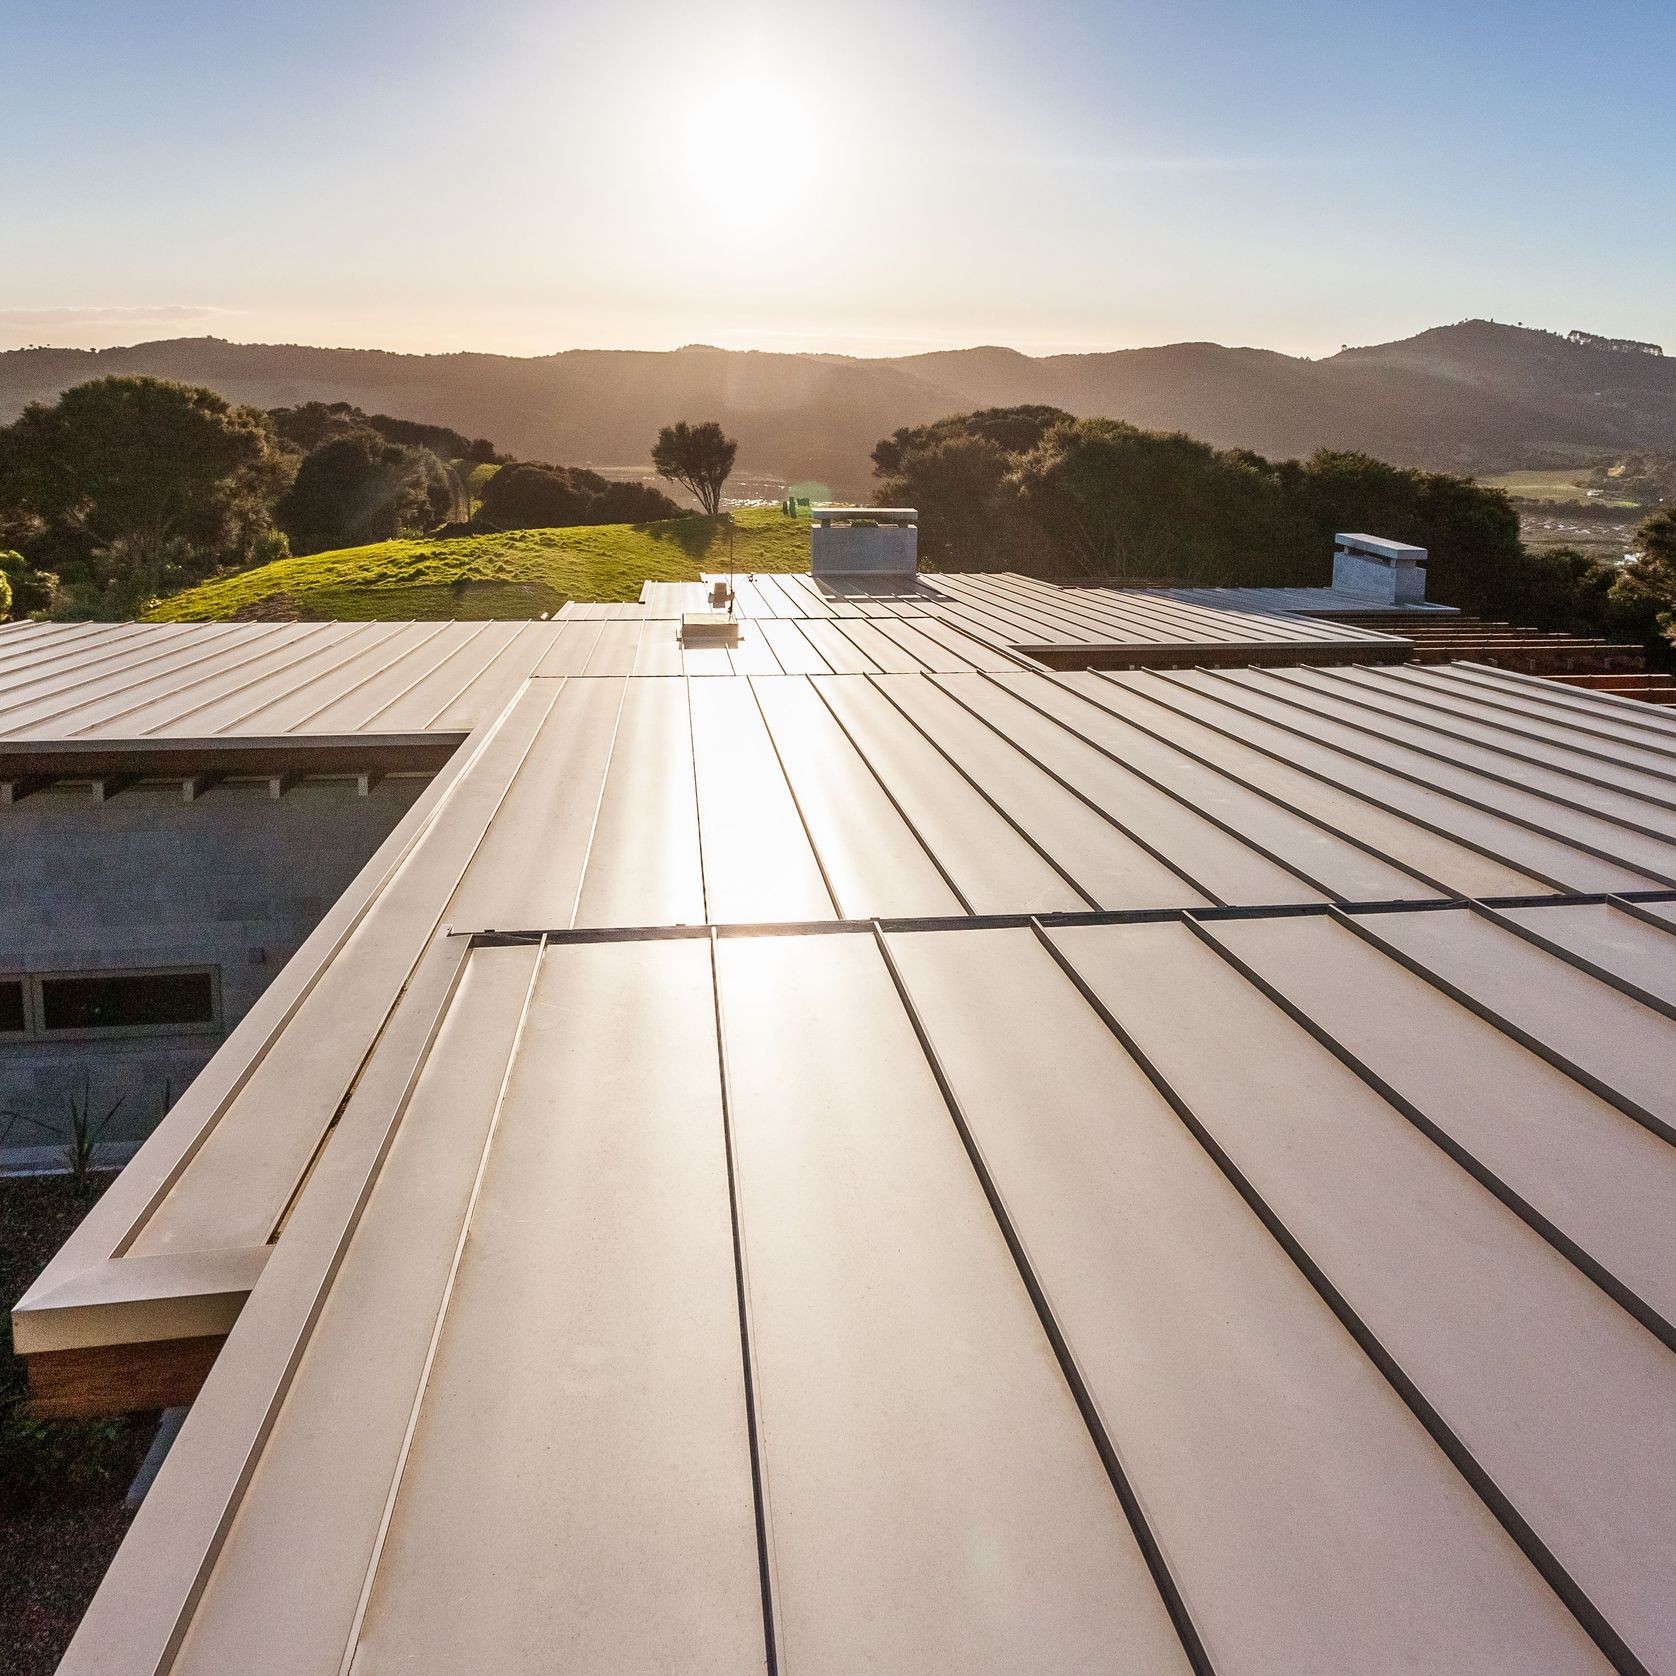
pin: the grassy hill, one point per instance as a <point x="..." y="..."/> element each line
<point x="519" y="574"/>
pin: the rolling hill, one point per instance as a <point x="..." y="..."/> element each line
<point x="521" y="573"/>
<point x="1473" y="397"/>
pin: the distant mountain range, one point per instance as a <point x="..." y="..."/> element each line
<point x="1471" y="397"/>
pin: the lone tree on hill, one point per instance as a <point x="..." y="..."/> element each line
<point x="698" y="457"/>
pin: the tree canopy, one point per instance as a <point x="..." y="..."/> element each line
<point x="28" y="590"/>
<point x="132" y="484"/>
<point x="1012" y="430"/>
<point x="530" y="496"/>
<point x="1640" y="598"/>
<point x="357" y="488"/>
<point x="1139" y="505"/>
<point x="1656" y="539"/>
<point x="1035" y="490"/>
<point x="313" y="423"/>
<point x="698" y="457"/>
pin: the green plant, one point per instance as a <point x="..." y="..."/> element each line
<point x="268" y="547"/>
<point x="49" y="1465"/>
<point x="43" y="1457"/>
<point x="536" y="497"/>
<point x="85" y="1132"/>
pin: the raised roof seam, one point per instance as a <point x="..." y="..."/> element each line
<point x="1582" y="846"/>
<point x="1525" y="1038"/>
<point x="403" y="1453"/>
<point x="970" y="780"/>
<point x="1571" y="957"/>
<point x="1106" y="814"/>
<point x="1524" y="786"/>
<point x="1206" y="763"/>
<point x="1361" y="695"/>
<point x="766" y="1566"/>
<point x="1169" y="1589"/>
<point x="1576" y="1599"/>
<point x="1620" y="1293"/>
<point x="1436" y="829"/>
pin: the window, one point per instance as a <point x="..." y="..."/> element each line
<point x="127" y="1001"/>
<point x="162" y="1002"/>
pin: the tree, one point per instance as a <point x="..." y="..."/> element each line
<point x="1033" y="489"/>
<point x="316" y="422"/>
<point x="968" y="510"/>
<point x="528" y="496"/>
<point x="357" y="488"/>
<point x="698" y="457"/>
<point x="1014" y="430"/>
<point x="956" y="473"/>
<point x="1471" y="532"/>
<point x="140" y="481"/>
<point x="631" y="503"/>
<point x="27" y="590"/>
<point x="1118" y="501"/>
<point x="533" y="497"/>
<point x="1655" y="541"/>
<point x="1642" y="599"/>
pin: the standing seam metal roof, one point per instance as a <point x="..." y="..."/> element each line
<point x="975" y="1169"/>
<point x="87" y="682"/>
<point x="1103" y="1219"/>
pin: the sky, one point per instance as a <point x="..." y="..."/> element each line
<point x="860" y="178"/>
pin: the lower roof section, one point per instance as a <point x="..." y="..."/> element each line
<point x="141" y="685"/>
<point x="1268" y="1292"/>
<point x="603" y="805"/>
<point x="31" y="765"/>
<point x="1315" y="602"/>
<point x="1006" y="607"/>
<point x="109" y="683"/>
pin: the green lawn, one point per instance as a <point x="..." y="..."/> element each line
<point x="520" y="574"/>
<point x="1569" y="484"/>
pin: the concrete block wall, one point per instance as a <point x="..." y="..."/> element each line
<point x="881" y="543"/>
<point x="235" y="880"/>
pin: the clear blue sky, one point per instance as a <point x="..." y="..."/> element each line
<point x="864" y="177"/>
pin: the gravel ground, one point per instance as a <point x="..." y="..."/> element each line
<point x="61" y="1482"/>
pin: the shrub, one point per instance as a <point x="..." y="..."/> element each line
<point x="537" y="497"/>
<point x="357" y="488"/>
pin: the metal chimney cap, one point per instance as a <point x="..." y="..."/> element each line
<point x="864" y="514"/>
<point x="1377" y="546"/>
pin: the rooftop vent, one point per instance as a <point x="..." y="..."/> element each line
<point x="709" y="628"/>
<point x="1389" y="572"/>
<point x="867" y="543"/>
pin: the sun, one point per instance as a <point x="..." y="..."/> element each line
<point x="754" y="151"/>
